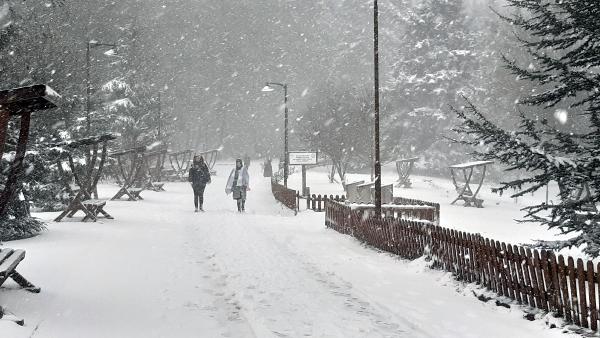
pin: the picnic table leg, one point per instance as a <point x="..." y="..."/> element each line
<point x="62" y="215"/>
<point x="89" y="213"/>
<point x="479" y="202"/>
<point x="106" y="214"/>
<point x="24" y="283"/>
<point x="460" y="190"/>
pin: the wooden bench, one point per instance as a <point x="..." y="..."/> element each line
<point x="135" y="193"/>
<point x="463" y="188"/>
<point x="156" y="186"/>
<point x="94" y="207"/>
<point x="404" y="167"/>
<point x="9" y="259"/>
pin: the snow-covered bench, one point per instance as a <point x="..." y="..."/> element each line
<point x="135" y="193"/>
<point x="156" y="186"/>
<point x="9" y="259"/>
<point x="93" y="208"/>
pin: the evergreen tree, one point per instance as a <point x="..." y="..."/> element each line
<point x="433" y="66"/>
<point x="563" y="38"/>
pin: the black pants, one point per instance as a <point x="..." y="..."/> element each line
<point x="198" y="195"/>
<point x="241" y="205"/>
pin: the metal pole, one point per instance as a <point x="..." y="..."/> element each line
<point x="376" y="77"/>
<point x="285" y="160"/>
<point x="88" y="89"/>
<point x="159" y="117"/>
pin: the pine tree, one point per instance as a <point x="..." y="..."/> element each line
<point x="433" y="65"/>
<point x="563" y="38"/>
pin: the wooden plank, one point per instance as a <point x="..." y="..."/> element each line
<point x="534" y="282"/>
<point x="556" y="299"/>
<point x="453" y="250"/>
<point x="4" y="253"/>
<point x="460" y="256"/>
<point x="564" y="288"/>
<point x="484" y="263"/>
<point x="508" y="272"/>
<point x="502" y="269"/>
<point x="492" y="261"/>
<point x="581" y="278"/>
<point x="10" y="263"/>
<point x="471" y="246"/>
<point x="513" y="266"/>
<point x="524" y="266"/>
<point x="593" y="292"/>
<point x="540" y="280"/>
<point x="547" y="279"/>
<point x="573" y="291"/>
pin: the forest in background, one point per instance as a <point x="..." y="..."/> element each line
<point x="195" y="68"/>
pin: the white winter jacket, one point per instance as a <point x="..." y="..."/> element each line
<point x="243" y="179"/>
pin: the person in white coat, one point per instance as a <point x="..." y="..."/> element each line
<point x="238" y="183"/>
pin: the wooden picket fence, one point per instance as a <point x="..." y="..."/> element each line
<point x="537" y="278"/>
<point x="284" y="195"/>
<point x="317" y="202"/>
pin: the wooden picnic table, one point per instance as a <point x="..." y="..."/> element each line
<point x="20" y="102"/>
<point x="86" y="177"/>
<point x="180" y="163"/>
<point x="130" y="174"/>
<point x="153" y="164"/>
<point x="210" y="158"/>
<point x="404" y="167"/>
<point x="582" y="194"/>
<point x="464" y="190"/>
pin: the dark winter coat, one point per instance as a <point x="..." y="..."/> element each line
<point x="199" y="175"/>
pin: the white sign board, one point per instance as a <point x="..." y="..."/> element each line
<point x="303" y="157"/>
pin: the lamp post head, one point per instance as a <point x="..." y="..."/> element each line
<point x="267" y="88"/>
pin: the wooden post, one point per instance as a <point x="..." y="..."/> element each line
<point x="4" y="117"/>
<point x="303" y="180"/>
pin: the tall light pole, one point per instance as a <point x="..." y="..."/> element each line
<point x="269" y="88"/>
<point x="159" y="115"/>
<point x="91" y="44"/>
<point x="376" y="78"/>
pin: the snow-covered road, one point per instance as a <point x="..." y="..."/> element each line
<point x="161" y="270"/>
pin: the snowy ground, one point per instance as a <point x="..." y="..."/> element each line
<point x="161" y="270"/>
<point x="497" y="220"/>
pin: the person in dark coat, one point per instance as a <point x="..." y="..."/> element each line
<point x="199" y="176"/>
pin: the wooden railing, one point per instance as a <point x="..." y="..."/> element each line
<point x="284" y="195"/>
<point x="537" y="278"/>
<point x="410" y="201"/>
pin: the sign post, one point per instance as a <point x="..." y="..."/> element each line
<point x="303" y="158"/>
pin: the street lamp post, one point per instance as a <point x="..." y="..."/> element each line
<point x="269" y="88"/>
<point x="90" y="45"/>
<point x="376" y="78"/>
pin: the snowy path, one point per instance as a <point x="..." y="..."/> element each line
<point x="160" y="270"/>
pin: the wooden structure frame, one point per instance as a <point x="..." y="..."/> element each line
<point x="180" y="162"/>
<point x="154" y="173"/>
<point x="130" y="175"/>
<point x="20" y="102"/>
<point x="464" y="191"/>
<point x="87" y="179"/>
<point x="583" y="193"/>
<point x="352" y="195"/>
<point x="9" y="259"/>
<point x="210" y="158"/>
<point x="404" y="167"/>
